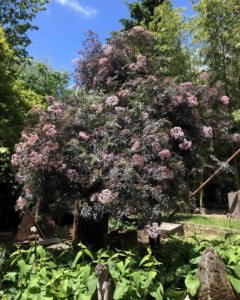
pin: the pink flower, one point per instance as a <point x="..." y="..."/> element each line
<point x="103" y="61"/>
<point x="49" y="130"/>
<point x="140" y="65"/>
<point x="94" y="197"/>
<point x="20" y="203"/>
<point x="105" y="197"/>
<point x="32" y="140"/>
<point x="124" y="93"/>
<point x="236" y="137"/>
<point x="83" y="135"/>
<point x="35" y="110"/>
<point x="144" y="115"/>
<point x="112" y="101"/>
<point x="72" y="175"/>
<point x="107" y="49"/>
<point x="176" y="132"/>
<point x="56" y="108"/>
<point x="186" y="84"/>
<point x="204" y="75"/>
<point x="177" y="100"/>
<point x="166" y="173"/>
<point x="16" y="160"/>
<point x="138" y="160"/>
<point x="185" y="145"/>
<point x="207" y="131"/>
<point x="225" y="100"/>
<point x="165" y="153"/>
<point x="36" y="159"/>
<point x="135" y="146"/>
<point x="192" y="101"/>
<point x="138" y="29"/>
<point x="153" y="230"/>
<point x="75" y="61"/>
<point x="212" y="91"/>
<point x="120" y="111"/>
<point x="25" y="137"/>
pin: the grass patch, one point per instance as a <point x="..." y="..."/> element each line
<point x="222" y="222"/>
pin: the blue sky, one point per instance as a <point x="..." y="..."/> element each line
<point x="63" y="24"/>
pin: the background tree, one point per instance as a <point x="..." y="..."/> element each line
<point x="141" y="13"/>
<point x="43" y="79"/>
<point x="16" y="18"/>
<point x="216" y="31"/>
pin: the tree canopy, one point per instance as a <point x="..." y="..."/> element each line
<point x="16" y="17"/>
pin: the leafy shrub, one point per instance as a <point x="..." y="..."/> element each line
<point x="166" y="273"/>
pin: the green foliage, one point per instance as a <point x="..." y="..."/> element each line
<point x="170" y="28"/>
<point x="43" y="79"/>
<point x="16" y="17"/>
<point x="167" y="273"/>
<point x="140" y="13"/>
<point x="15" y="101"/>
<point x="216" y="31"/>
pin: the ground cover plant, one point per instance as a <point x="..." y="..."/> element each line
<point x="168" y="272"/>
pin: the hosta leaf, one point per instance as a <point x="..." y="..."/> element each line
<point x="192" y="283"/>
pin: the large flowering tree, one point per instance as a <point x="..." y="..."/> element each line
<point x="129" y="149"/>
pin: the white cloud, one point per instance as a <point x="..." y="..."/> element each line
<point x="86" y="11"/>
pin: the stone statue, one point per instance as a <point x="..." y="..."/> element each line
<point x="214" y="284"/>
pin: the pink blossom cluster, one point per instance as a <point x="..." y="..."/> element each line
<point x="36" y="160"/>
<point x="49" y="146"/>
<point x="103" y="61"/>
<point x="105" y="197"/>
<point x="120" y="111"/>
<point x="186" y="84"/>
<point x="212" y="91"/>
<point x="176" y="132"/>
<point x="75" y="61"/>
<point x="112" y="100"/>
<point x="204" y="75"/>
<point x="225" y="100"/>
<point x="20" y="203"/>
<point x="56" y="108"/>
<point x="185" y="145"/>
<point x="135" y="145"/>
<point x="207" y="131"/>
<point x="177" y="100"/>
<point x="16" y="160"/>
<point x="83" y="135"/>
<point x="49" y="130"/>
<point x="35" y="110"/>
<point x="107" y="49"/>
<point x="140" y="65"/>
<point x="33" y="138"/>
<point x="192" y="101"/>
<point x="166" y="173"/>
<point x="138" y="29"/>
<point x="124" y="94"/>
<point x="164" y="154"/>
<point x="153" y="230"/>
<point x="138" y="160"/>
<point x="72" y="175"/>
<point x="236" y="137"/>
